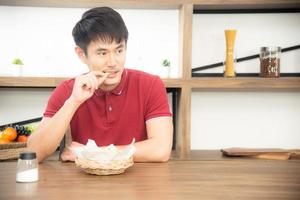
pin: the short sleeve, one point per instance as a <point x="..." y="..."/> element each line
<point x="157" y="104"/>
<point x="57" y="99"/>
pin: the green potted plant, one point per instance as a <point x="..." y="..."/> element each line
<point x="166" y="65"/>
<point x="17" y="67"/>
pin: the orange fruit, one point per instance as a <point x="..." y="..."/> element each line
<point x="9" y="133"/>
<point x="4" y="141"/>
<point x="22" y="138"/>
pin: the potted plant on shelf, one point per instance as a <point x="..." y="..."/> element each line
<point x="166" y="65"/>
<point x="17" y="67"/>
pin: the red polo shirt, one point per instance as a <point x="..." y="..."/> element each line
<point x="117" y="116"/>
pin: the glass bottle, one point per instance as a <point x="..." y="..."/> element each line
<point x="27" y="167"/>
<point x="270" y="62"/>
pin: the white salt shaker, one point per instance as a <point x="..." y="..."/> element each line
<point x="27" y="168"/>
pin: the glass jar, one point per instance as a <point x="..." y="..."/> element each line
<point x="27" y="167"/>
<point x="270" y="62"/>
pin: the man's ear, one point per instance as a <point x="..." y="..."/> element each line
<point x="80" y="53"/>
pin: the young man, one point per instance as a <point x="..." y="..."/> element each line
<point x="110" y="104"/>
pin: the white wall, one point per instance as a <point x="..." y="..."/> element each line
<point x="42" y="38"/>
<point x="238" y="118"/>
<point x="219" y="119"/>
<point x="22" y="104"/>
<point x="253" y="31"/>
<point x="245" y="119"/>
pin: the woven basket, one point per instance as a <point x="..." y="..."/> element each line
<point x="11" y="150"/>
<point x="113" y="167"/>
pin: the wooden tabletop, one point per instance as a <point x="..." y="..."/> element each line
<point x="177" y="179"/>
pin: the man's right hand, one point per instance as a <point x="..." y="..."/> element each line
<point x="85" y="85"/>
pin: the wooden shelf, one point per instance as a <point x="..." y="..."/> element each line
<point x="174" y="82"/>
<point x="158" y="4"/>
<point x="36" y="82"/>
<point x="187" y="84"/>
<point x="286" y="83"/>
<point x="122" y="4"/>
<point x="51" y="82"/>
<point x="245" y="4"/>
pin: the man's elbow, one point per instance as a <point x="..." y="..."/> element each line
<point x="164" y="156"/>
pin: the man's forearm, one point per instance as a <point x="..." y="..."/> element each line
<point x="48" y="136"/>
<point x="151" y="150"/>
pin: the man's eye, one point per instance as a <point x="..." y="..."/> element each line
<point x="102" y="53"/>
<point x="120" y="50"/>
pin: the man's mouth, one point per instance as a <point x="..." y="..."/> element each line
<point x="112" y="73"/>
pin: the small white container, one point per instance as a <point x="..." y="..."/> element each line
<point x="27" y="168"/>
<point x="166" y="71"/>
<point x="17" y="70"/>
<point x="166" y="68"/>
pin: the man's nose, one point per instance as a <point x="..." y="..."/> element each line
<point x="112" y="60"/>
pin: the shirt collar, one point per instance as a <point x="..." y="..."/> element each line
<point x="118" y="90"/>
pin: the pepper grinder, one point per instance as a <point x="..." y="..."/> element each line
<point x="229" y="66"/>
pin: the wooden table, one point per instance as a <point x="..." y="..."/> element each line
<point x="207" y="179"/>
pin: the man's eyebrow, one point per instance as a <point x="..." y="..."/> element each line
<point x="120" y="46"/>
<point x="101" y="49"/>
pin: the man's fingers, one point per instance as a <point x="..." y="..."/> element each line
<point x="102" y="79"/>
<point x="99" y="74"/>
<point x="76" y="144"/>
<point x="67" y="155"/>
<point x="95" y="81"/>
<point x="87" y="84"/>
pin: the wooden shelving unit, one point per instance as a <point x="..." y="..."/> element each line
<point x="33" y="82"/>
<point x="51" y="82"/>
<point x="245" y="4"/>
<point x="124" y="4"/>
<point x="186" y="84"/>
<point x="286" y="83"/>
<point x="157" y="4"/>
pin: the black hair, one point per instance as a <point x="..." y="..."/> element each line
<point x="102" y="23"/>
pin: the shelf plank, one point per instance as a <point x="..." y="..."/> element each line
<point x="185" y="39"/>
<point x="51" y="82"/>
<point x="157" y="4"/>
<point x="174" y="82"/>
<point x="289" y="83"/>
<point x="183" y="138"/>
<point x="118" y="4"/>
<point x="37" y="82"/>
<point x="245" y="4"/>
<point x="256" y="83"/>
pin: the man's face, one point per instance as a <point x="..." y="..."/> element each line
<point x="106" y="57"/>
